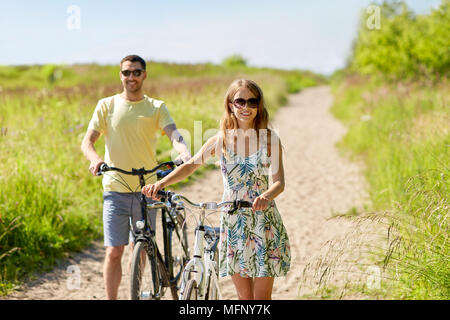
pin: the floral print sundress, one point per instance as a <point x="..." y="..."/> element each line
<point x="253" y="244"/>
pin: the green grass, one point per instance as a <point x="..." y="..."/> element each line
<point x="401" y="132"/>
<point x="393" y="96"/>
<point x="49" y="203"/>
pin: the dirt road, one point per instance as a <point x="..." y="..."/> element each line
<point x="319" y="182"/>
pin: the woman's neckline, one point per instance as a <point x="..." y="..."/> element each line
<point x="250" y="155"/>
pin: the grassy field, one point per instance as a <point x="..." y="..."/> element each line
<point x="49" y="203"/>
<point x="401" y="132"/>
<point x="394" y="98"/>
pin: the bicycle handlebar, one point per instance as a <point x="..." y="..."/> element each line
<point x="171" y="196"/>
<point x="136" y="172"/>
<point x="236" y="204"/>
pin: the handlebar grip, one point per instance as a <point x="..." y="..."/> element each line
<point x="240" y="204"/>
<point x="244" y="204"/>
<point x="165" y="194"/>
<point x="103" y="168"/>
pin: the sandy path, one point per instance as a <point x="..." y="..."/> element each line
<point x="319" y="182"/>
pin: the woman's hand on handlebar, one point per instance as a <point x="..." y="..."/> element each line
<point x="260" y="203"/>
<point x="151" y="190"/>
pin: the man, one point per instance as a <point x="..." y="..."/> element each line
<point x="129" y="121"/>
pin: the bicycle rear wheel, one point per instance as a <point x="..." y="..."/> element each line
<point x="191" y="291"/>
<point x="145" y="278"/>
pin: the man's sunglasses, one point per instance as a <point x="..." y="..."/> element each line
<point x="251" y="103"/>
<point x="136" y="73"/>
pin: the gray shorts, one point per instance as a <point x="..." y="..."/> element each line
<point x="118" y="207"/>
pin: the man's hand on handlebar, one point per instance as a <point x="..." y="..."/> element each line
<point x="94" y="166"/>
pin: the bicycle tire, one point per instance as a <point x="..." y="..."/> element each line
<point x="191" y="290"/>
<point x="211" y="291"/>
<point x="145" y="278"/>
<point x="179" y="253"/>
<point x="164" y="277"/>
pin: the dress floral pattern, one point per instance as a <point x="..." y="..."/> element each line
<point x="253" y="244"/>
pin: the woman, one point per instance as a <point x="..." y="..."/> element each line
<point x="254" y="246"/>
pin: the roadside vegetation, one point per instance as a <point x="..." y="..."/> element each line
<point x="394" y="98"/>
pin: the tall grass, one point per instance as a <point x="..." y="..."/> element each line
<point x="349" y="266"/>
<point x="401" y="132"/>
<point x="393" y="96"/>
<point x="49" y="203"/>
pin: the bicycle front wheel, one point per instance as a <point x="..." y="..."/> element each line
<point x="212" y="292"/>
<point x="145" y="279"/>
<point x="191" y="291"/>
<point x="178" y="251"/>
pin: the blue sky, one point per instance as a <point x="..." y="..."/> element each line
<point x="313" y="34"/>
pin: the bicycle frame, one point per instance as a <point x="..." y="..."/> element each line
<point x="202" y="265"/>
<point x="168" y="223"/>
<point x="145" y="232"/>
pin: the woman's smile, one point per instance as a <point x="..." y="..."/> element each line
<point x="243" y="113"/>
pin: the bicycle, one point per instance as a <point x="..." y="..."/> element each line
<point x="199" y="280"/>
<point x="152" y="272"/>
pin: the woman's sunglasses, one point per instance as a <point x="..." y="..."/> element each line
<point x="136" y="73"/>
<point x="251" y="103"/>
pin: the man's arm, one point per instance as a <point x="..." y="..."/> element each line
<point x="178" y="142"/>
<point x="88" y="149"/>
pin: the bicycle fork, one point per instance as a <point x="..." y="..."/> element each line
<point x="201" y="267"/>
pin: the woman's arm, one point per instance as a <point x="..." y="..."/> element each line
<point x="277" y="187"/>
<point x="183" y="171"/>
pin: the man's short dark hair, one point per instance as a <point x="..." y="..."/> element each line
<point x="134" y="58"/>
